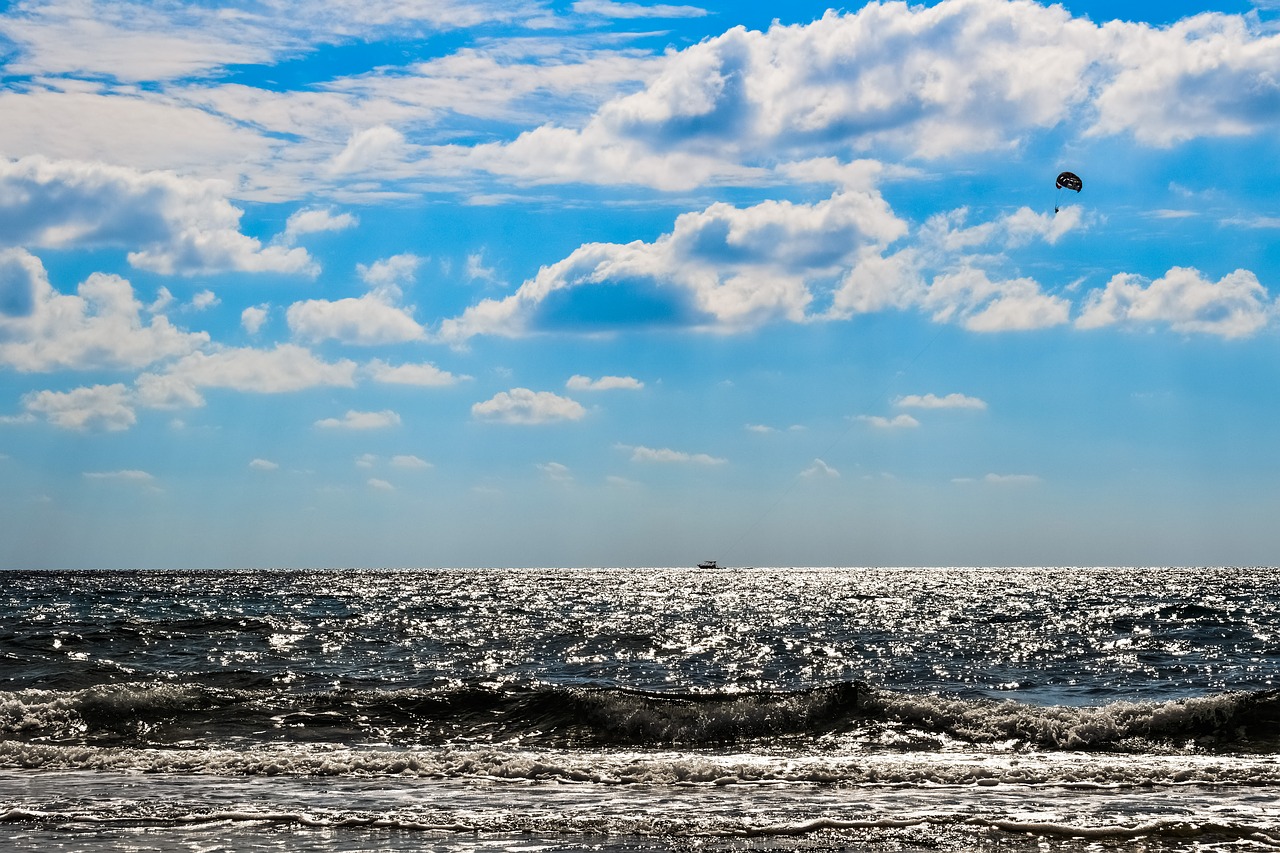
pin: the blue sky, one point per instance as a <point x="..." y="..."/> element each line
<point x="518" y="282"/>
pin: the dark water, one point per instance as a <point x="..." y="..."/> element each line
<point x="640" y="709"/>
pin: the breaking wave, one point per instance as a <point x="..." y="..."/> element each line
<point x="149" y="715"/>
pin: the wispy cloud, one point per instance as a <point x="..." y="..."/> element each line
<point x="604" y="383"/>
<point x="667" y="456"/>
<point x="896" y="422"/>
<point x="820" y="469"/>
<point x="361" y="420"/>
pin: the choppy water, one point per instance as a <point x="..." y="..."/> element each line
<point x="640" y="709"/>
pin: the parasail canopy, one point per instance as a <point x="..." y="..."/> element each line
<point x="1070" y="181"/>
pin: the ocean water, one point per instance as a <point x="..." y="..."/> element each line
<point x="646" y="709"/>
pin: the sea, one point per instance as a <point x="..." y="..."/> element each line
<point x="641" y="709"/>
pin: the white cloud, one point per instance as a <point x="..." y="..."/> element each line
<point x="820" y="469"/>
<point x="381" y="485"/>
<point x="556" y="472"/>
<point x="166" y="391"/>
<point x="139" y="129"/>
<point x="410" y="462"/>
<point x="424" y="375"/>
<point x="897" y="422"/>
<point x="369" y="148"/>
<point x="315" y="220"/>
<point x="22" y="280"/>
<point x="283" y="369"/>
<point x="113" y="407"/>
<point x="928" y="81"/>
<point x="720" y="268"/>
<point x="361" y="420"/>
<point x="522" y="406"/>
<point x="127" y="475"/>
<point x="931" y="81"/>
<point x="263" y="465"/>
<point x="107" y="407"/>
<point x="982" y="305"/>
<point x="476" y="270"/>
<point x="374" y="318"/>
<point x="204" y="300"/>
<point x="760" y="428"/>
<point x="366" y="460"/>
<point x="254" y="318"/>
<point x="100" y="326"/>
<point x="387" y="275"/>
<point x="1011" y="479"/>
<point x="1205" y="75"/>
<point x="604" y="383"/>
<point x="933" y="401"/>
<point x="612" y="9"/>
<point x="179" y="225"/>
<point x="1235" y="306"/>
<point x="666" y="455"/>
<point x="365" y="320"/>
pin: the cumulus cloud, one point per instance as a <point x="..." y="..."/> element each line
<point x="204" y="300"/>
<point x="933" y="401"/>
<point x="720" y="268"/>
<point x="389" y="274"/>
<point x="166" y="391"/>
<point x="1235" y="306"/>
<point x="604" y="383"/>
<point x="970" y="297"/>
<point x="282" y="369"/>
<point x="946" y="274"/>
<point x="374" y="318"/>
<point x="897" y="422"/>
<point x="366" y="320"/>
<point x="820" y="469"/>
<point x="174" y="225"/>
<point x="424" y="375"/>
<point x="666" y="455"/>
<point x="361" y="420"/>
<point x="22" y="277"/>
<point x="254" y="318"/>
<point x="315" y="220"/>
<point x="1205" y="75"/>
<point x="114" y="407"/>
<point x="99" y="326"/>
<point x="522" y="406"/>
<point x="919" y="80"/>
<point x="106" y="407"/>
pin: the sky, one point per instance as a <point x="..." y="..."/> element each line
<point x="296" y="283"/>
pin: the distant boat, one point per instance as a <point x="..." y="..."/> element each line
<point x="708" y="564"/>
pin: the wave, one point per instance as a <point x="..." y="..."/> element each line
<point x="852" y="714"/>
<point x="956" y="828"/>
<point x="509" y="764"/>
<point x="1183" y="830"/>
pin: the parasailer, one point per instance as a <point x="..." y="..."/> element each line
<point x="1067" y="181"/>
